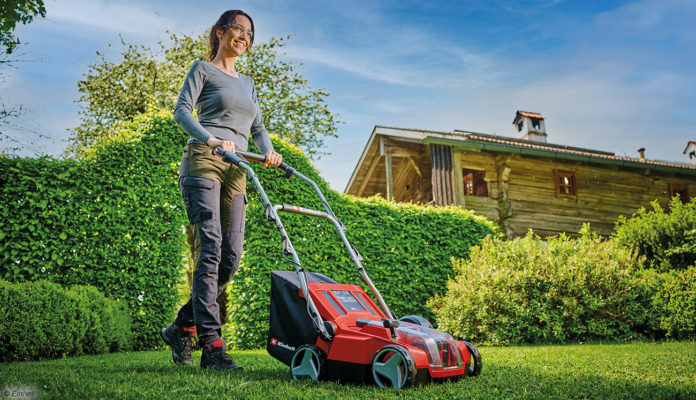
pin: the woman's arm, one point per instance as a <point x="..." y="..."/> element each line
<point x="183" y="111"/>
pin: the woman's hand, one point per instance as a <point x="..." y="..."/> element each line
<point x="273" y="159"/>
<point x="226" y="145"/>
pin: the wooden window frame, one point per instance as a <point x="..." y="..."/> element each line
<point x="480" y="184"/>
<point x="680" y="188"/>
<point x="573" y="185"/>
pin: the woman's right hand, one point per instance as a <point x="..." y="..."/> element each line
<point x="226" y="145"/>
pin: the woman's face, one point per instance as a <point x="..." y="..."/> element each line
<point x="233" y="40"/>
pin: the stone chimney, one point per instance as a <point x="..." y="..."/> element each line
<point x="530" y="126"/>
<point x="690" y="151"/>
<point x="641" y="152"/>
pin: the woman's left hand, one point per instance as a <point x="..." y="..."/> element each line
<point x="273" y="159"/>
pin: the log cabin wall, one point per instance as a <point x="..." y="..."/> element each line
<point x="522" y="192"/>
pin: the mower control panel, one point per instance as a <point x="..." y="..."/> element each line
<point x="347" y="300"/>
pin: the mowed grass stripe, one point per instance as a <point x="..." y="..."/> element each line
<point x="598" y="371"/>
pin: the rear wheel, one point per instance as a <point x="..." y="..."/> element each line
<point x="393" y="366"/>
<point x="417" y="319"/>
<point x="308" y="362"/>
<point x="475" y="359"/>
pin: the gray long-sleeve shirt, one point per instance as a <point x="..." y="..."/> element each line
<point x="226" y="106"/>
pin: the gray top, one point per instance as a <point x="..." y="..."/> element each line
<point x="226" y="107"/>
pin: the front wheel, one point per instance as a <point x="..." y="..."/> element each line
<point x="475" y="357"/>
<point x="393" y="366"/>
<point x="308" y="362"/>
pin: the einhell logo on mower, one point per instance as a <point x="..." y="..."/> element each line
<point x="276" y="342"/>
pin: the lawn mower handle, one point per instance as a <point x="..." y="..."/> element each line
<point x="238" y="156"/>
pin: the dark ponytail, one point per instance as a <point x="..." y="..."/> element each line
<point x="226" y="18"/>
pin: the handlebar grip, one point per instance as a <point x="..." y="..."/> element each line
<point x="261" y="158"/>
<point x="227" y="156"/>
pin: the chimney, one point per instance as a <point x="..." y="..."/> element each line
<point x="530" y="126"/>
<point x="690" y="150"/>
<point x="641" y="151"/>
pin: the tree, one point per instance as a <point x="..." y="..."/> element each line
<point x="112" y="92"/>
<point x="14" y="11"/>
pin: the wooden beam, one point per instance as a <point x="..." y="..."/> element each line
<point x="388" y="168"/>
<point x="368" y="175"/>
<point x="458" y="179"/>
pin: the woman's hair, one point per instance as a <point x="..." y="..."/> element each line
<point x="226" y="18"/>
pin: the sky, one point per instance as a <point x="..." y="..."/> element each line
<point x="606" y="75"/>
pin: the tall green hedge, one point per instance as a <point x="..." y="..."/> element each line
<point x="112" y="220"/>
<point x="406" y="247"/>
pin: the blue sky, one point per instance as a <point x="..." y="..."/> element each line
<point x="607" y="75"/>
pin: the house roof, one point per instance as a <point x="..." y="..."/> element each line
<point x="529" y="114"/>
<point x="691" y="143"/>
<point x="482" y="141"/>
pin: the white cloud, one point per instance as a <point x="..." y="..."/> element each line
<point x="106" y="15"/>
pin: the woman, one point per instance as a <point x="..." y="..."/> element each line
<point x="213" y="190"/>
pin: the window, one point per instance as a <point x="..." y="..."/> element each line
<point x="519" y="126"/>
<point x="536" y="123"/>
<point x="565" y="184"/>
<point x="692" y="155"/>
<point x="474" y="183"/>
<point x="679" y="189"/>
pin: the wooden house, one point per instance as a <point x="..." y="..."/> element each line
<point x="521" y="182"/>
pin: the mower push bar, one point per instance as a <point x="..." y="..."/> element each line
<point x="238" y="159"/>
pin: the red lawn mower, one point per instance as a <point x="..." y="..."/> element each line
<point x="327" y="330"/>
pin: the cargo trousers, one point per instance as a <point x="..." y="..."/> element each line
<point x="214" y="193"/>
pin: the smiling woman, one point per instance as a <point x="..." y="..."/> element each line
<point x="213" y="190"/>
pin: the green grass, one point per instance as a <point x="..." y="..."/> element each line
<point x="619" y="371"/>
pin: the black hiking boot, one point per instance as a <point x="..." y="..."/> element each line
<point x="180" y="340"/>
<point x="215" y="357"/>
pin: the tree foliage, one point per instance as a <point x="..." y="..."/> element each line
<point x="13" y="12"/>
<point x="112" y="92"/>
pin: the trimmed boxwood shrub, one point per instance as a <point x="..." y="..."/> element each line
<point x="112" y="220"/>
<point x="44" y="320"/>
<point x="406" y="247"/>
<point x="530" y="291"/>
<point x="666" y="239"/>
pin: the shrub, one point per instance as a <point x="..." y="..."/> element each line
<point x="673" y="302"/>
<point x="666" y="239"/>
<point x="406" y="247"/>
<point x="112" y="220"/>
<point x="109" y="324"/>
<point x="43" y="320"/>
<point x="528" y="291"/>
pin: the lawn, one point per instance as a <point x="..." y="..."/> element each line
<point x="598" y="371"/>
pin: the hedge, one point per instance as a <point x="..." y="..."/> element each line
<point x="666" y="239"/>
<point x="406" y="247"/>
<point x="530" y="291"/>
<point x="44" y="320"/>
<point x="112" y="220"/>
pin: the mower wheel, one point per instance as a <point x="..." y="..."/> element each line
<point x="393" y="366"/>
<point x="308" y="362"/>
<point x="475" y="357"/>
<point x="417" y="319"/>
